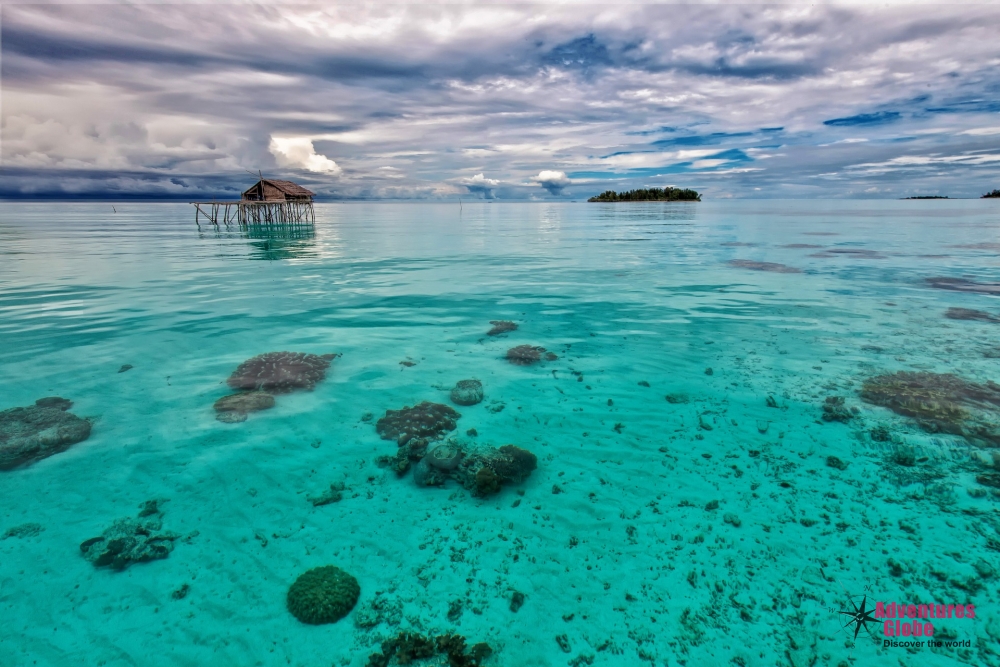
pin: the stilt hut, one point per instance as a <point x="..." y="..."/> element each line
<point x="269" y="189"/>
<point x="268" y="202"/>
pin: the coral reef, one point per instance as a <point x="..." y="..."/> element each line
<point x="501" y="327"/>
<point x="940" y="403"/>
<point x="24" y="530"/>
<point x="400" y="462"/>
<point x="835" y="462"/>
<point x="130" y="540"/>
<point x="485" y="482"/>
<point x="880" y="434"/>
<point x="762" y="266"/>
<point x="526" y="355"/>
<point x="381" y="609"/>
<point x="485" y="471"/>
<point x="425" y="421"/>
<point x="409" y="646"/>
<point x="970" y="314"/>
<point x="835" y="411"/>
<point x="280" y="372"/>
<point x="334" y="494"/>
<point x="467" y="392"/>
<point x="426" y="475"/>
<point x="323" y="595"/>
<point x="39" y="431"/>
<point x="235" y="407"/>
<point x="514" y="464"/>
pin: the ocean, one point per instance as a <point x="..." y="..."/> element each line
<point x="744" y="419"/>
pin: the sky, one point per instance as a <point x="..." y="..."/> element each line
<point x="505" y="102"/>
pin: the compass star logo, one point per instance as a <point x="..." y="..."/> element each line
<point x="860" y="617"/>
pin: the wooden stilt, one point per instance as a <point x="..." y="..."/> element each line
<point x="256" y="212"/>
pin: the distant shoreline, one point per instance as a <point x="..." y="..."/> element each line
<point x="647" y="194"/>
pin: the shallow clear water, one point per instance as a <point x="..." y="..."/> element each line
<point x="707" y="529"/>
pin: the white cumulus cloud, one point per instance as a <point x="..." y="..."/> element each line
<point x="479" y="184"/>
<point x="299" y="153"/>
<point x="553" y="181"/>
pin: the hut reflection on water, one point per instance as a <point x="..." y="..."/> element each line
<point x="270" y="242"/>
<point x="281" y="241"/>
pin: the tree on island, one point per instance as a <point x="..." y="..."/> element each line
<point x="991" y="195"/>
<point x="650" y="194"/>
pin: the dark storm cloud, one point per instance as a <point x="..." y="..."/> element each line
<point x="504" y="101"/>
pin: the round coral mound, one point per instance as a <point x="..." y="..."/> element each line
<point x="445" y="457"/>
<point x="33" y="433"/>
<point x="323" y="595"/>
<point x="524" y="355"/>
<point x="467" y="392"/>
<point x="501" y="327"/>
<point x="280" y="372"/>
<point x="424" y="420"/>
<point x="234" y="408"/>
<point x="514" y="464"/>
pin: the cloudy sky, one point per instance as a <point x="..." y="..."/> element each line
<point x="553" y="101"/>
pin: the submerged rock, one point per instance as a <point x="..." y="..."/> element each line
<point x="467" y="392"/>
<point x="970" y="314"/>
<point x="525" y="355"/>
<point x="426" y="420"/>
<point x="963" y="285"/>
<point x="501" y="327"/>
<point x="235" y="407"/>
<point x="762" y="266"/>
<point x="130" y="540"/>
<point x="39" y="431"/>
<point x="280" y="372"/>
<point x="940" y="403"/>
<point x="323" y="595"/>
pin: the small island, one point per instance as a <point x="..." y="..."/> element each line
<point x="926" y="197"/>
<point x="650" y="194"/>
<point x="991" y="195"/>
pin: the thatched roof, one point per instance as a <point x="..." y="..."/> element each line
<point x="289" y="188"/>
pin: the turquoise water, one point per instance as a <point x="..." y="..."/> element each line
<point x="707" y="529"/>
